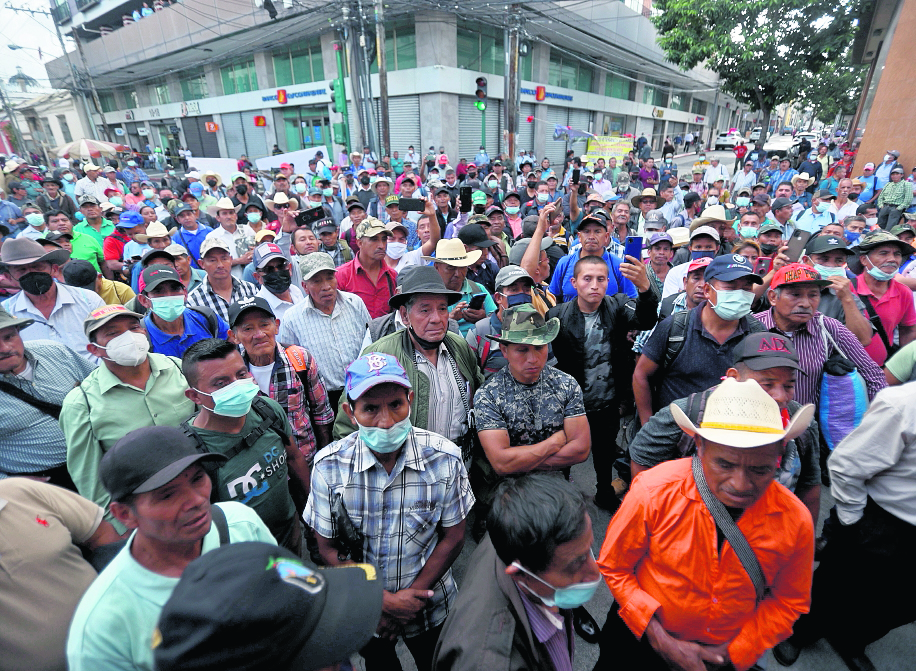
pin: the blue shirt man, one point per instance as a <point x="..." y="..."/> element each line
<point x="9" y="211"/>
<point x="594" y="237"/>
<point x="189" y="238"/>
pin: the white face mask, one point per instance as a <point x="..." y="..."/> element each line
<point x="397" y="249"/>
<point x="871" y="221"/>
<point x="128" y="349"/>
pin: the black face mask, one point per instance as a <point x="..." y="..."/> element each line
<point x="364" y="181"/>
<point x="36" y="283"/>
<point x="425" y="344"/>
<point x="211" y="182"/>
<point x="471" y="173"/>
<point x="241" y="189"/>
<point x="430" y="164"/>
<point x="853" y="196"/>
<point x="277" y="282"/>
<point x="479" y="209"/>
<point x="768" y="250"/>
<point x="532" y="185"/>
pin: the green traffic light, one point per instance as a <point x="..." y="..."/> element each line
<point x="481" y="105"/>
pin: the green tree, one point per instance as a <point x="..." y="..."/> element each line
<point x="837" y="92"/>
<point x="764" y="51"/>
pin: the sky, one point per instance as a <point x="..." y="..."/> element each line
<point x="24" y="30"/>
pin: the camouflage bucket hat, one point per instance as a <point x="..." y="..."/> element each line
<point x="524" y="325"/>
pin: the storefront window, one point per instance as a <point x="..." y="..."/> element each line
<point x="239" y="78"/>
<point x="569" y="73"/>
<point x="305" y="127"/>
<point x="194" y="86"/>
<point x="400" y="47"/>
<point x="300" y="63"/>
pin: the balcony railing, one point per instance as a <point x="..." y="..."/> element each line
<point x="83" y="4"/>
<point x="61" y="13"/>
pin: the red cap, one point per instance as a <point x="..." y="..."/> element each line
<point x="443" y="160"/>
<point x="285" y="166"/>
<point x="472" y="165"/>
<point x="797" y="273"/>
<point x="701" y="262"/>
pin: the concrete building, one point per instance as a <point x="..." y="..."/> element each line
<point x="50" y="120"/>
<point x="885" y="118"/>
<point x="223" y="79"/>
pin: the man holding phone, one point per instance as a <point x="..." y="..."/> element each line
<point x="452" y="261"/>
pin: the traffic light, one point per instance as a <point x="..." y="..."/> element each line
<point x="481" y="94"/>
<point x="338" y="96"/>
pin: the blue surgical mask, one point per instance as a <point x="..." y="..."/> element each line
<point x="743" y="201"/>
<point x="822" y="207"/>
<point x="569" y="597"/>
<point x="877" y="273"/>
<point x="830" y="271"/>
<point x="327" y="192"/>
<point x="543" y="197"/>
<point x="518" y="299"/>
<point x="492" y="184"/>
<point x="385" y="441"/>
<point x="512" y="210"/>
<point x="748" y="232"/>
<point x="168" y="308"/>
<point x="34" y="219"/>
<point x="852" y="236"/>
<point x="732" y="304"/>
<point x="117" y="201"/>
<point x="233" y="400"/>
<point x="253" y="217"/>
<point x="300" y="188"/>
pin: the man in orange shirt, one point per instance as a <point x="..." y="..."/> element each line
<point x="680" y="552"/>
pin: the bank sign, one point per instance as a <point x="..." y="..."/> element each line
<point x="282" y="96"/>
<point x="541" y="93"/>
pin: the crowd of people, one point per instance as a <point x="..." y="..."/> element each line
<point x="345" y="375"/>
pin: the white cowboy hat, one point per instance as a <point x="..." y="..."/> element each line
<point x="742" y="414"/>
<point x="282" y="199"/>
<point x="805" y="176"/>
<point x="453" y="253"/>
<point x="223" y="204"/>
<point x="710" y="214"/>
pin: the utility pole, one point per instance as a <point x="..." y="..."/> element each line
<point x="368" y="101"/>
<point x="382" y="75"/>
<point x="95" y="93"/>
<point x="511" y="90"/>
<point x="63" y="47"/>
<point x="12" y="117"/>
<point x="715" y="120"/>
<point x="355" y="79"/>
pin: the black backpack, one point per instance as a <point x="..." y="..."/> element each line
<point x="678" y="332"/>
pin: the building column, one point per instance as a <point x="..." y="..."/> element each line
<point x="540" y="71"/>
<point x="437" y="44"/>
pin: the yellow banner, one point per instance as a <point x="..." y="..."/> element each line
<point x="607" y="146"/>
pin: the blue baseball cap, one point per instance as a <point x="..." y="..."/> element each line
<point x="730" y="267"/>
<point x="129" y="219"/>
<point x="265" y="252"/>
<point x="372" y="369"/>
<point x="196" y="188"/>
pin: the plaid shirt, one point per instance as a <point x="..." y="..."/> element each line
<point x="204" y="295"/>
<point x="896" y="194"/>
<point x="287" y="389"/>
<point x="400" y="513"/>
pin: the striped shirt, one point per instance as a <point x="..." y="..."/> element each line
<point x="809" y="343"/>
<point x="552" y="630"/>
<point x="204" y="295"/>
<point x="30" y="440"/>
<point x="335" y="340"/>
<point x="447" y="415"/>
<point x="399" y="513"/>
<point x="65" y="324"/>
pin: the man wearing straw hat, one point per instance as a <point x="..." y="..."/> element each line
<point x="709" y="560"/>
<point x="239" y="239"/>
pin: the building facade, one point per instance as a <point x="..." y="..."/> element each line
<point x="222" y="79"/>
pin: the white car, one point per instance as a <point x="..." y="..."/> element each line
<point x="755" y="134"/>
<point x="727" y="140"/>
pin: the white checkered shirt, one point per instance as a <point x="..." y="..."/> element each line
<point x="335" y="340"/>
<point x="204" y="295"/>
<point x="400" y="513"/>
